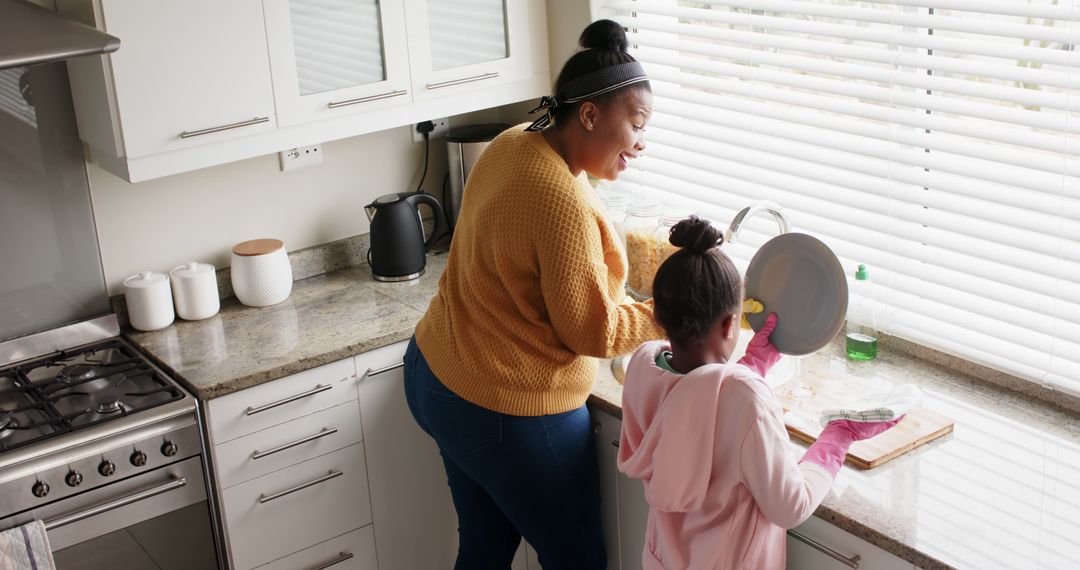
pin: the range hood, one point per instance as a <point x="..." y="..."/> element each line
<point x="30" y="34"/>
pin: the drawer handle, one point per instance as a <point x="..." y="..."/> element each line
<point x="852" y="562"/>
<point x="614" y="443"/>
<point x="453" y="82"/>
<point x="248" y="123"/>
<point x="371" y="372"/>
<point x="318" y="388"/>
<point x="325" y="432"/>
<point x="341" y="557"/>
<point x="347" y="102"/>
<point x="264" y="498"/>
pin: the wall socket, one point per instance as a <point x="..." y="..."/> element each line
<point x="300" y="156"/>
<point x="441" y="126"/>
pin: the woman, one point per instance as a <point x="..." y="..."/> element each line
<point x="499" y="369"/>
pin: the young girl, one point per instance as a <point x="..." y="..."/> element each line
<point x="706" y="436"/>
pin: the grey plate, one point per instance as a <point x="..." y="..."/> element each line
<point x="800" y="279"/>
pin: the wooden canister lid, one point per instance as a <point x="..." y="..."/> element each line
<point x="257" y="247"/>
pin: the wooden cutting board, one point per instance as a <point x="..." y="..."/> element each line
<point x="803" y="399"/>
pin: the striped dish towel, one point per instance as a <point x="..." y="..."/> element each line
<point x="881" y="407"/>
<point x="26" y="547"/>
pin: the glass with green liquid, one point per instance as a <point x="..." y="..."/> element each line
<point x="861" y="344"/>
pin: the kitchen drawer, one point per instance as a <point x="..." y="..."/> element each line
<point x="277" y="402"/>
<point x="289" y="510"/>
<point x="835" y="549"/>
<point x="286" y="444"/>
<point x="353" y="551"/>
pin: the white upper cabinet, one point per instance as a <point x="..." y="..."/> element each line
<point x="467" y="45"/>
<point x="205" y="82"/>
<point x="187" y="74"/>
<point x="336" y="57"/>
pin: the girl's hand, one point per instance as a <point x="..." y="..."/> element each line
<point x="761" y="355"/>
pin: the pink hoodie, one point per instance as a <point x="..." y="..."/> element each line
<point x="711" y="449"/>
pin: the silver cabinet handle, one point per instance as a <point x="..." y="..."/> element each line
<point x="852" y="562"/>
<point x="347" y="102"/>
<point x="371" y="372"/>
<point x="614" y="443"/>
<point x="325" y="432"/>
<point x="248" y="123"/>
<point x="341" y="557"/>
<point x="318" y="388"/>
<point x="114" y="504"/>
<point x="453" y="82"/>
<point x="264" y="498"/>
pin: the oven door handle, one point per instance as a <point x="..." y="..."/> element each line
<point x="114" y="504"/>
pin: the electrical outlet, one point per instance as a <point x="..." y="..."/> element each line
<point x="300" y="156"/>
<point x="441" y="126"/>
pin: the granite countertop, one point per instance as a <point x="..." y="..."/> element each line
<point x="1002" y="491"/>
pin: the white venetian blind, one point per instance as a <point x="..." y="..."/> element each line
<point x="934" y="141"/>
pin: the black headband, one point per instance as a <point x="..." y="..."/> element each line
<point x="586" y="87"/>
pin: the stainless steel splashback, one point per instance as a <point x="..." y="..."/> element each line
<point x="50" y="265"/>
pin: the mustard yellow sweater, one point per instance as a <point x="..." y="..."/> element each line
<point x="533" y="287"/>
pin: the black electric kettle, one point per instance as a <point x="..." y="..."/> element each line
<point x="397" y="235"/>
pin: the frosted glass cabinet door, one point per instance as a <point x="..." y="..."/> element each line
<point x="334" y="57"/>
<point x="466" y="44"/>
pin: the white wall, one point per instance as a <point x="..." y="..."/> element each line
<point x="199" y="216"/>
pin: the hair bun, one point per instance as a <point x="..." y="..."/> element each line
<point x="604" y="35"/>
<point x="696" y="235"/>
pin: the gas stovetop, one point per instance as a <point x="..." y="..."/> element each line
<point x="75" y="389"/>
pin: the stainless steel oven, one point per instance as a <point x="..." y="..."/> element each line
<point x="95" y="440"/>
<point x="106" y="450"/>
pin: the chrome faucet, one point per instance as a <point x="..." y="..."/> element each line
<point x="767" y="207"/>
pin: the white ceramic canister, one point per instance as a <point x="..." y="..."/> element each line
<point x="195" y="291"/>
<point x="149" y="301"/>
<point x="261" y="274"/>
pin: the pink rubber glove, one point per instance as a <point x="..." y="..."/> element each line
<point x="761" y="355"/>
<point x="835" y="440"/>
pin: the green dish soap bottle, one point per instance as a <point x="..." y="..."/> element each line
<point x="861" y="342"/>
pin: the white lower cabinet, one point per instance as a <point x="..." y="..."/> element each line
<point x="623" y="505"/>
<point x="291" y="509"/>
<point x="415" y="521"/>
<point x="352" y="551"/>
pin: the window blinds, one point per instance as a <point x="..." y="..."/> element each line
<point x="934" y="141"/>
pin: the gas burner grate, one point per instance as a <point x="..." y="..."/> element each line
<point x="76" y="389"/>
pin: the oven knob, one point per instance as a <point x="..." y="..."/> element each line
<point x="106" y="468"/>
<point x="40" y="489"/>
<point x="73" y="479"/>
<point x="138" y="459"/>
<point x="169" y="449"/>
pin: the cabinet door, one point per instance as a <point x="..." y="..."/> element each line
<point x="468" y="45"/>
<point x="633" y="520"/>
<point x="188" y="72"/>
<point x="832" y="545"/>
<point x="332" y="58"/>
<point x="606" y="429"/>
<point x="415" y="521"/>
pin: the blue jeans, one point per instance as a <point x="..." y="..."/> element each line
<point x="512" y="476"/>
